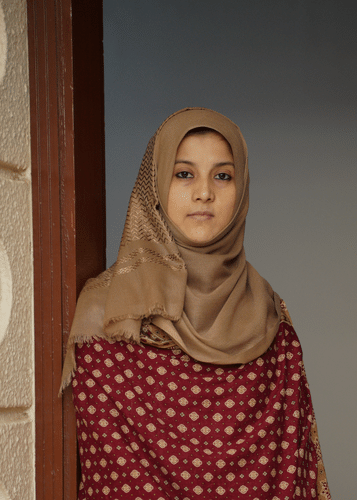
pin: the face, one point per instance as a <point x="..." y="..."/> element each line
<point x="202" y="192"/>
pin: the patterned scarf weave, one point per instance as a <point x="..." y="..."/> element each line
<point x="161" y="275"/>
<point x="156" y="424"/>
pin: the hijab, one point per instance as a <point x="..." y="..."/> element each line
<point x="206" y="297"/>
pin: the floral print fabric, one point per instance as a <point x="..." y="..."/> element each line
<point x="156" y="424"/>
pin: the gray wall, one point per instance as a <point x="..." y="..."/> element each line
<point x="286" y="73"/>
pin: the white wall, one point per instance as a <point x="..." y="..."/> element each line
<point x="17" y="475"/>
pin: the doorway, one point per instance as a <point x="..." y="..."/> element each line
<point x="67" y="153"/>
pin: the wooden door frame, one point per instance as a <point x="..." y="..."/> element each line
<point x="68" y="194"/>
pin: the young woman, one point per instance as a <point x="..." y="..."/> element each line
<point x="188" y="378"/>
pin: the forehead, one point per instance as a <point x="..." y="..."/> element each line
<point x="210" y="141"/>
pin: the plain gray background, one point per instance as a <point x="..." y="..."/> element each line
<point x="286" y="73"/>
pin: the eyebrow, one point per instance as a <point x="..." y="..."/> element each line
<point x="220" y="164"/>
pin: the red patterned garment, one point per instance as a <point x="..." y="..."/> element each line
<point x="156" y="424"/>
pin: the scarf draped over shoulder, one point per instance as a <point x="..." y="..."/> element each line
<point x="207" y="298"/>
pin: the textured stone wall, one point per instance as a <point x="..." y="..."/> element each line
<point x="17" y="475"/>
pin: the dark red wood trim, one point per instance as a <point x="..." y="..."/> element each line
<point x="67" y="197"/>
<point x="89" y="154"/>
<point x="47" y="247"/>
<point x="89" y="137"/>
<point x="68" y="210"/>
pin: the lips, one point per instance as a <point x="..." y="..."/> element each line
<point x="201" y="215"/>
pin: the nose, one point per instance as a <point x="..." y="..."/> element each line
<point x="203" y="191"/>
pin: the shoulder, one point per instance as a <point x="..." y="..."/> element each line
<point x="285" y="316"/>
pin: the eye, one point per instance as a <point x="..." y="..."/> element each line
<point x="222" y="176"/>
<point x="184" y="175"/>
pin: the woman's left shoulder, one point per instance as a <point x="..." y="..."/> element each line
<point x="285" y="316"/>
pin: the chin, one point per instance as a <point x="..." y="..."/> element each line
<point x="202" y="239"/>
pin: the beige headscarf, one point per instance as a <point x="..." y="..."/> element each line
<point x="207" y="298"/>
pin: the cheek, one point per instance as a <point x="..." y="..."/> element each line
<point x="176" y="202"/>
<point x="228" y="201"/>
